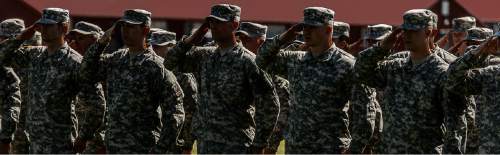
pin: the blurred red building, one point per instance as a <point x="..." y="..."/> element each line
<point x="181" y="16"/>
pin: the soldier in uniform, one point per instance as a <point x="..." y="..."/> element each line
<point x="252" y="36"/>
<point x="320" y="84"/>
<point x="85" y="34"/>
<point x="414" y="100"/>
<point x="10" y="28"/>
<point x="136" y="84"/>
<point x="472" y="75"/>
<point x="457" y="34"/>
<point x="53" y="85"/>
<point x="238" y="106"/>
<point x="10" y="102"/>
<point x="341" y="35"/>
<point x="162" y="41"/>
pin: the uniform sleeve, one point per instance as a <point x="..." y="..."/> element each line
<point x="11" y="103"/>
<point x="363" y="115"/>
<point x="463" y="78"/>
<point x="11" y="53"/>
<point x="454" y="105"/>
<point x="91" y="99"/>
<point x="186" y="58"/>
<point x="189" y="87"/>
<point x="368" y="68"/>
<point x="272" y="59"/>
<point x="170" y="97"/>
<point x="266" y="102"/>
<point x="93" y="65"/>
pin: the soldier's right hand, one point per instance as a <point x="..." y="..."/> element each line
<point x="28" y="33"/>
<point x="443" y="40"/>
<point x="198" y="35"/>
<point x="106" y="37"/>
<point x="389" y="41"/>
<point x="489" y="46"/>
<point x="291" y="34"/>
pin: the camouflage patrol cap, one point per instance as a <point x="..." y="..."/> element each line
<point x="137" y="16"/>
<point x="462" y="24"/>
<point x="318" y="16"/>
<point x="87" y="28"/>
<point x="252" y="30"/>
<point x="11" y="27"/>
<point x="417" y="19"/>
<point x="478" y="34"/>
<point x="340" y="29"/>
<point x="54" y="16"/>
<point x="225" y="12"/>
<point x="378" y="32"/>
<point x="162" y="38"/>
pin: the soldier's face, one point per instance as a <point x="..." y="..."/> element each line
<point x="52" y="32"/>
<point x="222" y="30"/>
<point x="83" y="42"/>
<point x="416" y="39"/>
<point x="162" y="50"/>
<point x="458" y="36"/>
<point x="316" y="35"/>
<point x="250" y="43"/>
<point x="133" y="34"/>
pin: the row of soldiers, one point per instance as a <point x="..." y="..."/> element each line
<point x="135" y="89"/>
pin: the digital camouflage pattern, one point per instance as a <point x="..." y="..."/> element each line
<point x="53" y="86"/>
<point x="469" y="75"/>
<point x="10" y="101"/>
<point x="320" y="89"/>
<point x="318" y="16"/>
<point x="282" y="87"/>
<point x="414" y="101"/>
<point x="137" y="84"/>
<point x="462" y="24"/>
<point x="238" y="106"/>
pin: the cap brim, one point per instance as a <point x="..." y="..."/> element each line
<point x="81" y="31"/>
<point x="46" y="21"/>
<point x="130" y="21"/>
<point x="313" y="23"/>
<point x="217" y="18"/>
<point x="164" y="43"/>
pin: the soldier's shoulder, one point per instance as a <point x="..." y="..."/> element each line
<point x="344" y="56"/>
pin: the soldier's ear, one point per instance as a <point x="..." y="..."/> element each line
<point x="145" y="30"/>
<point x="235" y="25"/>
<point x="329" y="30"/>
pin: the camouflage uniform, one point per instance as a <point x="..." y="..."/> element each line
<point x="82" y="112"/>
<point x="10" y="28"/>
<point x="474" y="76"/>
<point x="413" y="102"/>
<point x="137" y="84"/>
<point x="255" y="30"/>
<point x="238" y="106"/>
<point x="461" y="24"/>
<point x="10" y="101"/>
<point x="319" y="87"/>
<point x="475" y="34"/>
<point x="189" y="86"/>
<point x="53" y="87"/>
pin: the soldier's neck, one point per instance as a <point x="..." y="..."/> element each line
<point x="227" y="43"/>
<point x="137" y="49"/>
<point x="320" y="49"/>
<point x="54" y="46"/>
<point x="419" y="55"/>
